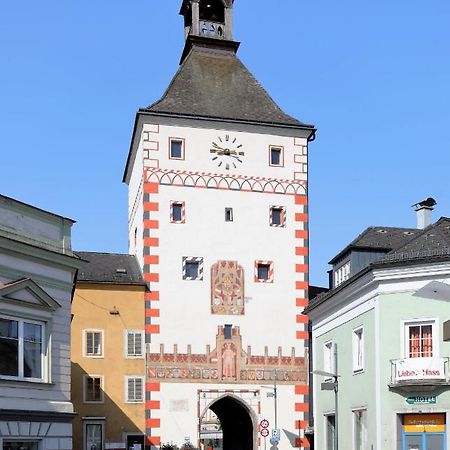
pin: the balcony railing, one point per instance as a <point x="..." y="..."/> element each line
<point x="419" y="371"/>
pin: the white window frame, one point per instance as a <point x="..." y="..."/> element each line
<point x="358" y="342"/>
<point x="126" y="333"/>
<point x="127" y="392"/>
<point x="325" y="429"/>
<point x="404" y="334"/>
<point x="44" y="359"/>
<point x="102" y="389"/>
<point x="364" y="429"/>
<point x="102" y="340"/>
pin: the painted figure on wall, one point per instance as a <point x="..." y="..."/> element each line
<point x="228" y="361"/>
<point x="227" y="288"/>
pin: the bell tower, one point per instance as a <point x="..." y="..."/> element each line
<point x="211" y="19"/>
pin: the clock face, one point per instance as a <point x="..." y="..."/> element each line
<point x="227" y="152"/>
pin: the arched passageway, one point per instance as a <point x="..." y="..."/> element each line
<point x="234" y="424"/>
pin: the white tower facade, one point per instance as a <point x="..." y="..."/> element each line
<point x="217" y="177"/>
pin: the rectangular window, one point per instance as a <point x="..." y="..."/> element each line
<point x="276" y="156"/>
<point x="176" y="148"/>
<point x="263" y="271"/>
<point x="420" y="340"/>
<point x="93" y="436"/>
<point x="94" y="343"/>
<point x="93" y="391"/>
<point x="20" y="445"/>
<point x="358" y="349"/>
<point x="228" y="331"/>
<point x="359" y="429"/>
<point x="329" y="431"/>
<point x="228" y="214"/>
<point x="134" y="344"/>
<point x="192" y="268"/>
<point x="21" y="349"/>
<point x="134" y="389"/>
<point x="277" y="216"/>
<point x="177" y="212"/>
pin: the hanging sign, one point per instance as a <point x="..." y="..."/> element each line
<point x="421" y="400"/>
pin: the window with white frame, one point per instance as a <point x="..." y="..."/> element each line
<point x="420" y="339"/>
<point x="330" y="429"/>
<point x="93" y="389"/>
<point x="21" y="349"/>
<point x="134" y="343"/>
<point x="328" y="357"/>
<point x="342" y="274"/>
<point x="359" y="429"/>
<point x="93" y="341"/>
<point x="358" y="349"/>
<point x="134" y="387"/>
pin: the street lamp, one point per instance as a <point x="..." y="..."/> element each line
<point x="332" y="386"/>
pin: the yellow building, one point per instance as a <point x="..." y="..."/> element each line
<point x="108" y="347"/>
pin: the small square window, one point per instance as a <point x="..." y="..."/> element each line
<point x="277" y="216"/>
<point x="276" y="156"/>
<point x="228" y="214"/>
<point x="177" y="212"/>
<point x="264" y="271"/>
<point x="176" y="148"/>
<point x="192" y="268"/>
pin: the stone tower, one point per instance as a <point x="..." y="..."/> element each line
<point x="217" y="177"/>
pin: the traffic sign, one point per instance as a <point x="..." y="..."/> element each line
<point x="264" y="423"/>
<point x="276" y="433"/>
<point x="264" y="432"/>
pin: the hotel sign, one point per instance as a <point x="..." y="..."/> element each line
<point x="421" y="400"/>
<point x="415" y="369"/>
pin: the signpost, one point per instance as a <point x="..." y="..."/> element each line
<point x="264" y="430"/>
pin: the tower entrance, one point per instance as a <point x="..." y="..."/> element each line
<point x="227" y="425"/>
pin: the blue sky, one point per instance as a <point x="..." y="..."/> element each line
<point x="372" y="76"/>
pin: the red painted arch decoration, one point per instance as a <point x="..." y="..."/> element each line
<point x="226" y="182"/>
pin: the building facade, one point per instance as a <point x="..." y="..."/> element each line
<point x="108" y="366"/>
<point x="37" y="275"/>
<point x="380" y="331"/>
<point x="217" y="177"/>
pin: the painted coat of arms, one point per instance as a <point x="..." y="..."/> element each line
<point x="227" y="288"/>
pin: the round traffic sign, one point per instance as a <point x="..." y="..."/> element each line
<point x="264" y="423"/>
<point x="264" y="432"/>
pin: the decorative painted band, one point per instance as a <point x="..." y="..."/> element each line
<point x="217" y="181"/>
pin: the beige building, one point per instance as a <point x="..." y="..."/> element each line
<point x="108" y="384"/>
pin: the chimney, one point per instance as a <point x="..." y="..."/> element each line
<point x="423" y="210"/>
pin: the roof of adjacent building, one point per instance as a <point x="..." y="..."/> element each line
<point x="379" y="239"/>
<point x="430" y="245"/>
<point x="112" y="268"/>
<point x="213" y="83"/>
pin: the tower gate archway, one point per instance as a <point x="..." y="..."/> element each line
<point x="236" y="424"/>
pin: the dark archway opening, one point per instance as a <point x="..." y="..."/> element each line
<point x="213" y="10"/>
<point x="236" y="423"/>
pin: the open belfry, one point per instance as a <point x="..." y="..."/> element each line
<point x="218" y="219"/>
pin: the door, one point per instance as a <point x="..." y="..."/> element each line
<point x="434" y="441"/>
<point x="413" y="442"/>
<point x="424" y="441"/>
<point x="135" y="442"/>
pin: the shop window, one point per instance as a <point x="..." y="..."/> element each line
<point x="228" y="214"/>
<point x="358" y="349"/>
<point x="192" y="268"/>
<point x="134" y="343"/>
<point x="263" y="271"/>
<point x="277" y="216"/>
<point x="176" y="148"/>
<point x="134" y="389"/>
<point x="21" y="349"/>
<point x="93" y="389"/>
<point x="93" y="343"/>
<point x="177" y="212"/>
<point x="276" y="157"/>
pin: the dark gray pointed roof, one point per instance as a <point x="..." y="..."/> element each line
<point x="213" y="83"/>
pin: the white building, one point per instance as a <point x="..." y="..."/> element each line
<point x="217" y="177"/>
<point x="37" y="272"/>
